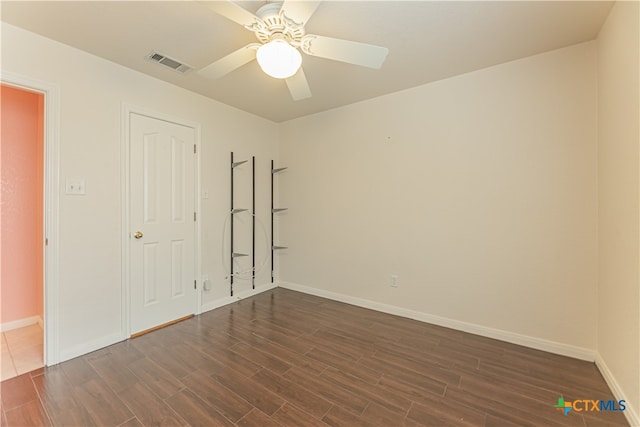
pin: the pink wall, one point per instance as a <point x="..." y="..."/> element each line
<point x="22" y="168"/>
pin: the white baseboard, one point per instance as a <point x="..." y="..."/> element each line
<point x="239" y="296"/>
<point x="511" y="337"/>
<point x="632" y="411"/>
<point x="20" y="323"/>
<point x="102" y="342"/>
<point x="88" y="347"/>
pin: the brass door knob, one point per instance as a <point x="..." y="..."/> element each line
<point x="138" y="234"/>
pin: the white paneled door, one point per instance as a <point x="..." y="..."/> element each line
<point x="162" y="218"/>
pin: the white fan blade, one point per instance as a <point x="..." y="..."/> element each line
<point x="299" y="11"/>
<point x="363" y="54"/>
<point x="231" y="11"/>
<point x="298" y="86"/>
<point x="227" y="64"/>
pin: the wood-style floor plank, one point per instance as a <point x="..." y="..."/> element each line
<point x="118" y="376"/>
<point x="282" y="358"/>
<point x="289" y="415"/>
<point x="195" y="411"/>
<point x="17" y="391"/>
<point x="215" y="394"/>
<point x="352" y="368"/>
<point x="445" y="413"/>
<point x="150" y="409"/>
<point x="158" y="379"/>
<point x="327" y="390"/>
<point x="293" y="392"/>
<point x="58" y="399"/>
<point x="133" y="422"/>
<point x="250" y="390"/>
<point x="374" y="394"/>
<point x="30" y="414"/>
<point x="257" y="418"/>
<point x="338" y="417"/>
<point x="105" y="407"/>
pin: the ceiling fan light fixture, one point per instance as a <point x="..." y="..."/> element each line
<point x="279" y="59"/>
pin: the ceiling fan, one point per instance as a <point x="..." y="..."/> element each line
<point x="279" y="28"/>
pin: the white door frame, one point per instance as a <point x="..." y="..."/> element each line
<point x="125" y="180"/>
<point x="51" y="192"/>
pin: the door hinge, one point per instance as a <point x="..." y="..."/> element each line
<point x="46" y="241"/>
<point x="194" y="148"/>
<point x="194" y="284"/>
<point x="194" y="217"/>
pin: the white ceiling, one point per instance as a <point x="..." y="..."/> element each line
<point x="427" y="41"/>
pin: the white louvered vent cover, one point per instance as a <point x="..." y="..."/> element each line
<point x="168" y="62"/>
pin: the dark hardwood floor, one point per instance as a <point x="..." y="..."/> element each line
<point x="284" y="358"/>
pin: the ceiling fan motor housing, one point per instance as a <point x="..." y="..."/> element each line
<point x="274" y="24"/>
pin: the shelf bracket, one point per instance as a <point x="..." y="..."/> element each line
<point x="238" y="255"/>
<point x="235" y="164"/>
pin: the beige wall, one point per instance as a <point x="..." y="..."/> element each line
<point x="92" y="92"/>
<point x="479" y="192"/>
<point x="619" y="210"/>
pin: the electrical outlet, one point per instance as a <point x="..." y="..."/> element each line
<point x="206" y="284"/>
<point x="75" y="186"/>
<point x="394" y="280"/>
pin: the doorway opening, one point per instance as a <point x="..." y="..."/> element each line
<point x="29" y="224"/>
<point x="22" y="244"/>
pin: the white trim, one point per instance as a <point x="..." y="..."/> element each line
<point x="211" y="305"/>
<point x="127" y="110"/>
<point x="20" y="323"/>
<point x="124" y="220"/>
<point x="90" y="346"/>
<point x="51" y="206"/>
<point x="631" y="413"/>
<point x="198" y="207"/>
<point x="511" y="337"/>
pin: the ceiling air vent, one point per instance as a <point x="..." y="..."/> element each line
<point x="168" y="62"/>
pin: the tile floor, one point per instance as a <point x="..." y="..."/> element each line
<point x="22" y="351"/>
